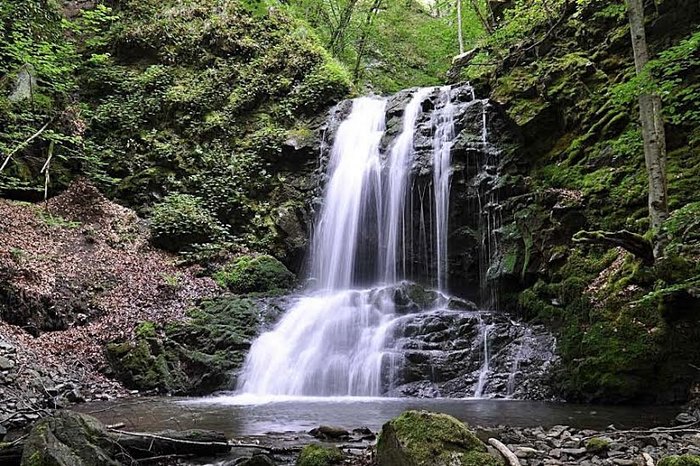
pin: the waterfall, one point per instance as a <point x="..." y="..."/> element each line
<point x="443" y="122"/>
<point x="337" y="340"/>
<point x="400" y="162"/>
<point x="353" y="333"/>
<point x="351" y="195"/>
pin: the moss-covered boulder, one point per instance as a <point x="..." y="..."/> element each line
<point x="683" y="460"/>
<point x="250" y="274"/>
<point x="69" y="439"/>
<point x="421" y="438"/>
<point x="194" y="357"/>
<point x="318" y="455"/>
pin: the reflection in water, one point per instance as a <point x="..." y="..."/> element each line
<point x="246" y="416"/>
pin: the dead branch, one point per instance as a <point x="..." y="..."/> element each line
<point x="24" y="144"/>
<point x="505" y="451"/>
<point x="634" y="243"/>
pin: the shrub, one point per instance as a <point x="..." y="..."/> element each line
<point x="181" y="221"/>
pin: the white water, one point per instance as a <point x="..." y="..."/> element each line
<point x="443" y="122"/>
<point x="401" y="159"/>
<point x="339" y="340"/>
<point x="354" y="186"/>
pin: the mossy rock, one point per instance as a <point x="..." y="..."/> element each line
<point x="194" y="357"/>
<point x="250" y="274"/>
<point x="421" y="438"/>
<point x="318" y="455"/>
<point x="597" y="445"/>
<point x="683" y="460"/>
<point x="69" y="439"/>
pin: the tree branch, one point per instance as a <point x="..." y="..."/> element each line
<point x="24" y="144"/>
<point x="636" y="244"/>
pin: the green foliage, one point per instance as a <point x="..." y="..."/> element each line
<point x="682" y="460"/>
<point x="250" y="274"/>
<point x="56" y="221"/>
<point x="35" y="51"/>
<point x="318" y="455"/>
<point x="388" y="44"/>
<point x="180" y="221"/>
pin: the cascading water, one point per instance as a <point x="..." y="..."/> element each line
<point x="360" y="331"/>
<point x="442" y="143"/>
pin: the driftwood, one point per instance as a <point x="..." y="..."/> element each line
<point x="169" y="442"/>
<point x="636" y="244"/>
<point x="505" y="451"/>
<point x="648" y="460"/>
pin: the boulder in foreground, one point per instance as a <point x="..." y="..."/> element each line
<point x="421" y="438"/>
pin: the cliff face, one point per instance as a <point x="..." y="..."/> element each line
<point x="628" y="331"/>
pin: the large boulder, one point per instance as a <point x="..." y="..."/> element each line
<point x="193" y="357"/>
<point x="421" y="438"/>
<point x="69" y="439"/>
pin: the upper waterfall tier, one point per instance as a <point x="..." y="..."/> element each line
<point x="382" y="219"/>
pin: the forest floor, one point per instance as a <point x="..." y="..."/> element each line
<point x="77" y="273"/>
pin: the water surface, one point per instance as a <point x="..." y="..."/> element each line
<point x="245" y="416"/>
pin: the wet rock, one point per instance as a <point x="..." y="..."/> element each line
<point x="194" y="357"/>
<point x="69" y="439"/>
<point x="423" y="438"/>
<point x="574" y="452"/>
<point x="330" y="433"/>
<point x="258" y="460"/>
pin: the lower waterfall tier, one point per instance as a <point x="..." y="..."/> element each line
<point x="400" y="340"/>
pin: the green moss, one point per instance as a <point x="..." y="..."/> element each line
<point x="317" y="455"/>
<point x="597" y="445"/>
<point x="193" y="357"/>
<point x="249" y="274"/>
<point x="683" y="460"/>
<point x="419" y="437"/>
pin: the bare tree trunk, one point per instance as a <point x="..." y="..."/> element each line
<point x="337" y="41"/>
<point x="483" y="18"/>
<point x="371" y="13"/>
<point x="459" y="27"/>
<point x="652" y="123"/>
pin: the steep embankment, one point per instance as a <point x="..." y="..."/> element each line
<point x="628" y="331"/>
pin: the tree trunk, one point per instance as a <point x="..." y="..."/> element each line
<point x="652" y="123"/>
<point x="459" y="27"/>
